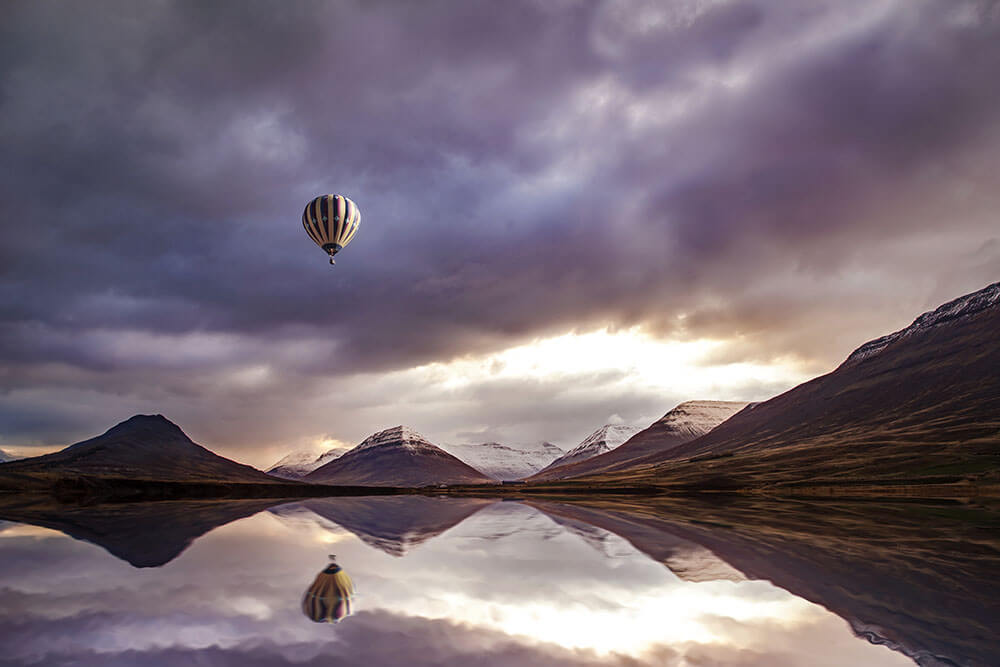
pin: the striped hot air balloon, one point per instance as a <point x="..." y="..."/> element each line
<point x="331" y="222"/>
<point x="328" y="600"/>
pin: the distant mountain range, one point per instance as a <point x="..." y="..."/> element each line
<point x="919" y="406"/>
<point x="506" y="462"/>
<point x="397" y="456"/>
<point x="599" y="453"/>
<point x="147" y="448"/>
<point x="299" y="464"/>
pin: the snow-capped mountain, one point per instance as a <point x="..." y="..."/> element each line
<point x="684" y="423"/>
<point x="602" y="440"/>
<point x="397" y="456"/>
<point x="693" y="419"/>
<point x="506" y="462"/>
<point x="962" y="307"/>
<point x="299" y="464"/>
<point x="4" y="457"/>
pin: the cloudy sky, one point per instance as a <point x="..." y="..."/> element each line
<point x="572" y="212"/>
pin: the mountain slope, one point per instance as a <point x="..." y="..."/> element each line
<point x="919" y="406"/>
<point x="6" y="458"/>
<point x="604" y="439"/>
<point x="398" y="456"/>
<point x="299" y="464"/>
<point x="145" y="447"/>
<point x="684" y="423"/>
<point x="504" y="462"/>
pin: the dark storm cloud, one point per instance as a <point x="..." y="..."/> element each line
<point x="521" y="171"/>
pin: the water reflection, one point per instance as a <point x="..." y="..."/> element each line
<point x="142" y="534"/>
<point x="920" y="579"/>
<point x="328" y="599"/>
<point x="393" y="525"/>
<point x="451" y="581"/>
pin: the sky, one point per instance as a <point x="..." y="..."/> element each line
<point x="573" y="213"/>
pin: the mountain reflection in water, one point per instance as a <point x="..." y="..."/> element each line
<point x="451" y="581"/>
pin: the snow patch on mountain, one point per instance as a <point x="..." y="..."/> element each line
<point x="299" y="464"/>
<point x="604" y="439"/>
<point x="694" y="419"/>
<point x="506" y="462"/>
<point x="963" y="306"/>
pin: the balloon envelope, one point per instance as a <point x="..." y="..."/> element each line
<point x="331" y="221"/>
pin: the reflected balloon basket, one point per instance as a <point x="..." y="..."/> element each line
<point x="328" y="599"/>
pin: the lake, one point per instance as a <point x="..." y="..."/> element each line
<point x="459" y="581"/>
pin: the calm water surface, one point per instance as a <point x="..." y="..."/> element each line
<point x="459" y="582"/>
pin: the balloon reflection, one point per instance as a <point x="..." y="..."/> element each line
<point x="328" y="599"/>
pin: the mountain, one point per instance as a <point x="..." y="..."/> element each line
<point x="392" y="524"/>
<point x="397" y="456"/>
<point x="144" y="448"/>
<point x="603" y="440"/>
<point x="299" y="464"/>
<point x="5" y="457"/>
<point x="917" y="407"/>
<point x="506" y="462"/>
<point x="684" y="423"/>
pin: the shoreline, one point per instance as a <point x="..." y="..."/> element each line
<point x="91" y="490"/>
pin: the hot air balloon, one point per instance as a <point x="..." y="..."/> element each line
<point x="328" y="600"/>
<point x="331" y="222"/>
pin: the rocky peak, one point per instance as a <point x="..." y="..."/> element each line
<point x="609" y="435"/>
<point x="400" y="436"/>
<point x="145" y="424"/>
